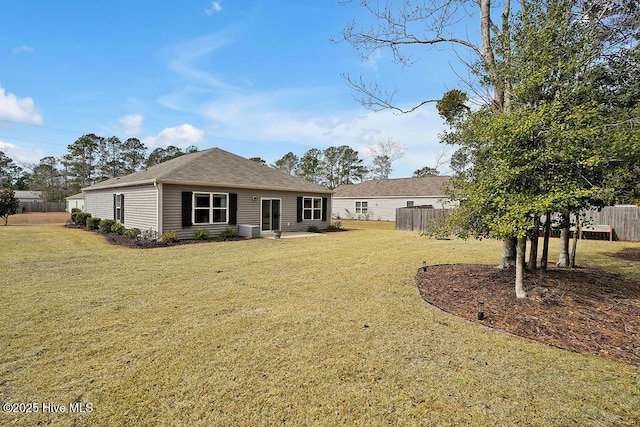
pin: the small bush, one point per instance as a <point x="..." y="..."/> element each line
<point x="92" y="223"/>
<point x="106" y="226"/>
<point x="74" y="210"/>
<point x="313" y="229"/>
<point x="228" y="234"/>
<point x="201" y="235"/>
<point x="80" y="218"/>
<point x="118" y="228"/>
<point x="336" y="226"/>
<point x="132" y="233"/>
<point x="169" y="237"/>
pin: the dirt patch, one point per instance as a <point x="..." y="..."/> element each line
<point x="584" y="310"/>
<point x="629" y="254"/>
<point x="38" y="218"/>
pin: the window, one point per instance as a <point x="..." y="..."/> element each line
<point x="118" y="207"/>
<point x="409" y="203"/>
<point x="312" y="208"/>
<point x="209" y="208"/>
<point x="362" y="207"/>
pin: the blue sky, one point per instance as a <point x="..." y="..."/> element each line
<point x="255" y="78"/>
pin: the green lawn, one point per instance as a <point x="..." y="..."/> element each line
<point x="317" y="331"/>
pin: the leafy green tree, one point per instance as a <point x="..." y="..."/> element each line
<point x="426" y="171"/>
<point x="47" y="178"/>
<point x="80" y="162"/>
<point x="9" y="205"/>
<point x="309" y="167"/>
<point x="259" y="160"/>
<point x="110" y="161"/>
<point x="10" y="173"/>
<point x="134" y="155"/>
<point x="288" y="163"/>
<point x="160" y="154"/>
<point x="341" y="165"/>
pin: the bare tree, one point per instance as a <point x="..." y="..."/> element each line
<point x="384" y="153"/>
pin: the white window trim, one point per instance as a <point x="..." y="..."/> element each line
<point x="311" y="209"/>
<point x="210" y="208"/>
<point x="359" y="209"/>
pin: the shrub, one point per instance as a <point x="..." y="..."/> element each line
<point x="92" y="223"/>
<point x="74" y="210"/>
<point x="313" y="229"/>
<point x="80" y="218"/>
<point x="169" y="237"/>
<point x="118" y="228"/>
<point x="132" y="233"/>
<point x="106" y="225"/>
<point x="228" y="233"/>
<point x="201" y="235"/>
<point x="336" y="226"/>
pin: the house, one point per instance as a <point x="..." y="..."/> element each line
<point x="378" y="199"/>
<point x="28" y="196"/>
<point x="76" y="201"/>
<point x="211" y="189"/>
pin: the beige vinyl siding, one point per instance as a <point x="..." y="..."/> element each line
<point x="248" y="209"/>
<point x="381" y="209"/>
<point x="140" y="205"/>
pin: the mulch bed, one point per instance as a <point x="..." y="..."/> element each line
<point x="584" y="309"/>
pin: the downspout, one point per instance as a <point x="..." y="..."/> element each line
<point x="158" y="187"/>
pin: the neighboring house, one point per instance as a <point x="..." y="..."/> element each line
<point x="378" y="199"/>
<point x="28" y="196"/>
<point x="75" y="201"/>
<point x="211" y="189"/>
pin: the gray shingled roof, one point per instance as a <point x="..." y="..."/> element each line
<point x="214" y="167"/>
<point x="78" y="196"/>
<point x="430" y="186"/>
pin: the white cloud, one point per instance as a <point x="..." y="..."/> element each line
<point x="21" y="110"/>
<point x="22" y="49"/>
<point x="131" y="124"/>
<point x="179" y="136"/>
<point x="23" y="155"/>
<point x="216" y="7"/>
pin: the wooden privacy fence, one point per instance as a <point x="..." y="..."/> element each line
<point x="42" y="207"/>
<point x="625" y="220"/>
<point x="417" y="218"/>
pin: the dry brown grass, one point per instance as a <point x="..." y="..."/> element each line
<point x="316" y="331"/>
<point x="39" y="218"/>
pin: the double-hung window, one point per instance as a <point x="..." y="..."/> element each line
<point x="312" y="208"/>
<point x="362" y="207"/>
<point x="210" y="208"/>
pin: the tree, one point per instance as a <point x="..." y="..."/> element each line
<point x="426" y="171"/>
<point x="110" y="162"/>
<point x="310" y="165"/>
<point x="341" y="165"/>
<point x="80" y="162"/>
<point x="288" y="163"/>
<point x="160" y="154"/>
<point x="9" y="205"/>
<point x="415" y="23"/>
<point x="10" y="173"/>
<point x="553" y="149"/>
<point x="134" y="155"/>
<point x="259" y="160"/>
<point x="47" y="178"/>
<point x="384" y="154"/>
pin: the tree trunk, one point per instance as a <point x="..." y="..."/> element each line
<point x="572" y="261"/>
<point x="545" y="244"/>
<point x="520" y="253"/>
<point x="563" y="259"/>
<point x="533" y="252"/>
<point x="508" y="253"/>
